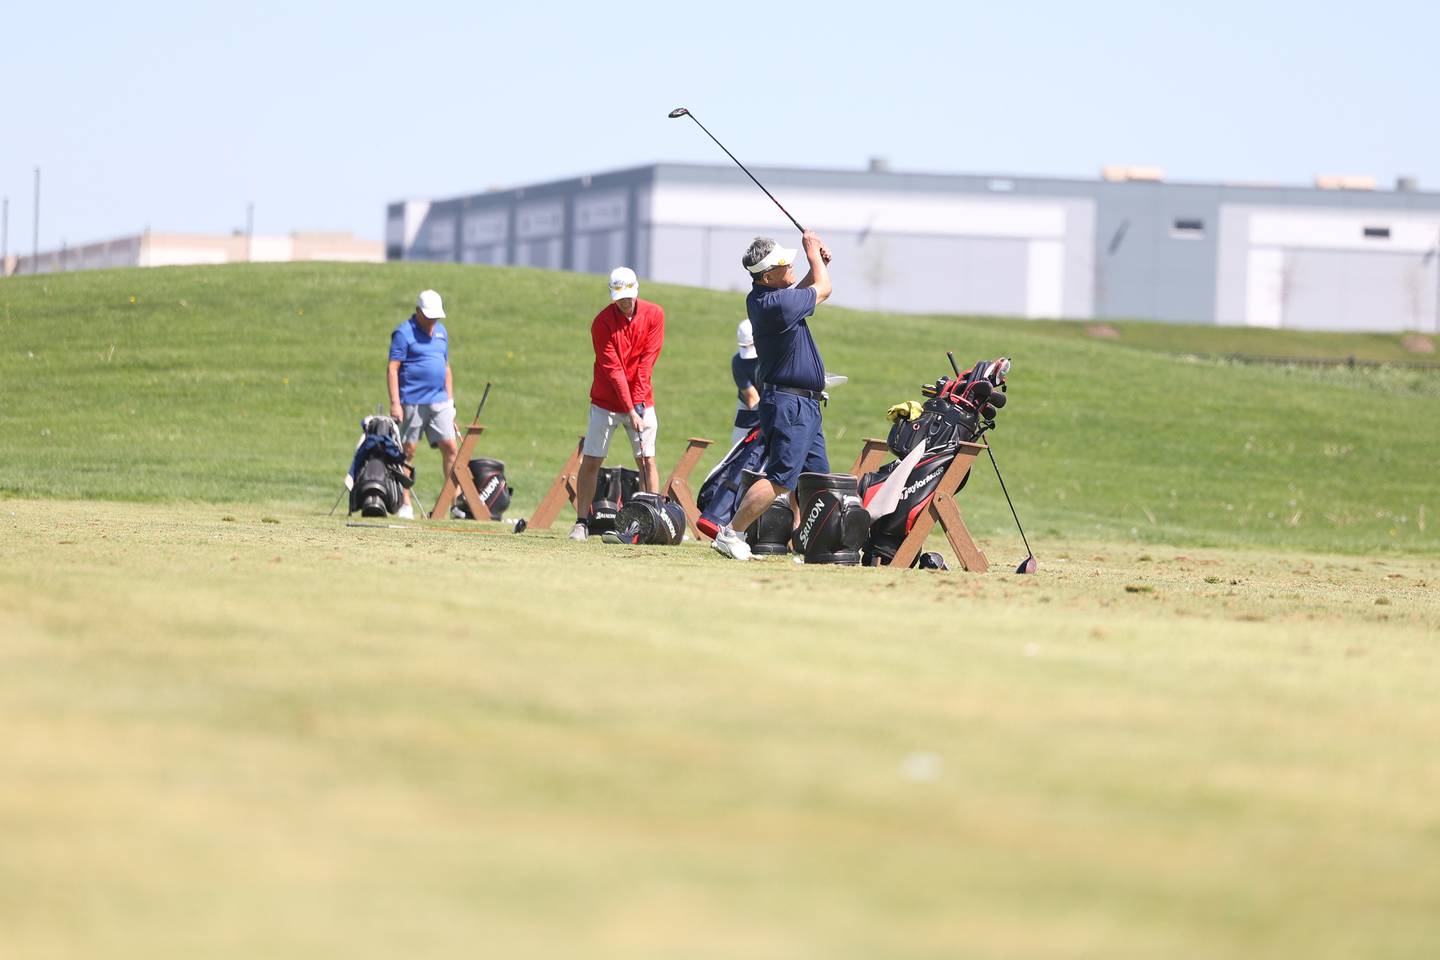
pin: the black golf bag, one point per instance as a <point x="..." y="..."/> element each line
<point x="724" y="487"/>
<point x="613" y="487"/>
<point x="378" y="471"/>
<point x="650" y="518"/>
<point x="955" y="411"/>
<point x="770" y="534"/>
<point x="833" y="521"/>
<point x="495" y="493"/>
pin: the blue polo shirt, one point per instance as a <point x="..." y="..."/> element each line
<point x="423" y="358"/>
<point x="788" y="355"/>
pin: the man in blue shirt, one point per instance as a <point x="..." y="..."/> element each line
<point x="422" y="390"/>
<point x="792" y="373"/>
<point x="747" y="385"/>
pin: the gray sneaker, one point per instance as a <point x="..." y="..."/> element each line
<point x="732" y="544"/>
<point x="579" y="531"/>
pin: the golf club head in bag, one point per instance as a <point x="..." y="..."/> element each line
<point x="649" y="518"/>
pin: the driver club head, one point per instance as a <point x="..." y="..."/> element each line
<point x="678" y="112"/>
<point x="1028" y="565"/>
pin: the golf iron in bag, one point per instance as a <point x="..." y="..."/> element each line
<point x="378" y="472"/>
<point x="926" y="438"/>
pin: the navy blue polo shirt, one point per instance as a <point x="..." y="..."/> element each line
<point x="743" y="370"/>
<point x="788" y="355"/>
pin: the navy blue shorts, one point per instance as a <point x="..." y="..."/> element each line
<point x="795" y="437"/>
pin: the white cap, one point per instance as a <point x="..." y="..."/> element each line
<point x="428" y="303"/>
<point x="778" y="257"/>
<point x="745" y="340"/>
<point x="623" y="284"/>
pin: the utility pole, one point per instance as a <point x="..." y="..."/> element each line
<point x="250" y="231"/>
<point x="35" y="246"/>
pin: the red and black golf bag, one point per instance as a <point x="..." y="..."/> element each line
<point x="955" y="411"/>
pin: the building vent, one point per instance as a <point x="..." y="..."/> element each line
<point x="1122" y="174"/>
<point x="1187" y="227"/>
<point x="1406" y="184"/>
<point x="1377" y="233"/>
<point x="879" y="165"/>
<point x="1327" y="181"/>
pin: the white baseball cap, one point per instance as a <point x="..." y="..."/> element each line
<point x="623" y="284"/>
<point x="428" y="303"/>
<point x="745" y="340"/>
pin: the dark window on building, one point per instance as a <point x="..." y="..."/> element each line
<point x="1377" y="233"/>
<point x="394" y="253"/>
<point x="1188" y="227"/>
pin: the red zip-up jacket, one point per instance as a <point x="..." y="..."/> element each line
<point x="625" y="353"/>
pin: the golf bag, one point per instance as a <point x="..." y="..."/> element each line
<point x="833" y="521"/>
<point x="613" y="487"/>
<point x="955" y="411"/>
<point x="770" y="534"/>
<point x="720" y="495"/>
<point x="495" y="493"/>
<point x="650" y="518"/>
<point x="378" y="471"/>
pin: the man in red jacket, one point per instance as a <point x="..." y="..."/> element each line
<point x="627" y="336"/>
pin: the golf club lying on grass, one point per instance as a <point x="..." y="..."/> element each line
<point x="1028" y="565"/>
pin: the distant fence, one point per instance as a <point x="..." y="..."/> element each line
<point x="1347" y="362"/>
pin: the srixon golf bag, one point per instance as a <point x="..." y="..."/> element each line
<point x="495" y="493"/>
<point x="833" y="522"/>
<point x="378" y="470"/>
<point x="954" y="412"/>
<point x="719" y="496"/>
<point x="650" y="518"/>
<point x="614" y="486"/>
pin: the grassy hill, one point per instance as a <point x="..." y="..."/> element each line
<point x="246" y="383"/>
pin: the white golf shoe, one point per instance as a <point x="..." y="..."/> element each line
<point x="732" y="544"/>
<point x="579" y="531"/>
<point x="406" y="512"/>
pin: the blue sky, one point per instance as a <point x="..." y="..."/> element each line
<point x="176" y="115"/>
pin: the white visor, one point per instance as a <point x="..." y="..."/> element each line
<point x="778" y="257"/>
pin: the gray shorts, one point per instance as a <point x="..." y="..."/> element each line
<point x="436" y="419"/>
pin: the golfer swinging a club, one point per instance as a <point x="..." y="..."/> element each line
<point x="792" y="373"/>
<point x="627" y="336"/>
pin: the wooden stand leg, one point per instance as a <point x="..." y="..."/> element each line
<point x="561" y="492"/>
<point x="677" y="488"/>
<point x="460" y="480"/>
<point x="872" y="455"/>
<point x="943" y="510"/>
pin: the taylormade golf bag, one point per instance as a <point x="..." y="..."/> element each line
<point x="495" y="493"/>
<point x="613" y="487"/>
<point x="724" y="487"/>
<point x="833" y="522"/>
<point x="378" y="471"/>
<point x="650" y="518"/>
<point x="956" y="411"/>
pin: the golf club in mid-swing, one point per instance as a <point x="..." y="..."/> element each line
<point x="1028" y="565"/>
<point x="684" y="112"/>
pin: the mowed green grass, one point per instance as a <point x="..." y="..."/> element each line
<point x="227" y="737"/>
<point x="246" y="383"/>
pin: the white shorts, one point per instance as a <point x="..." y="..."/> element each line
<point x="603" y="423"/>
<point x="437" y="420"/>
